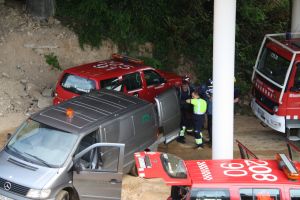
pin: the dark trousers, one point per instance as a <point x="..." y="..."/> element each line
<point x="209" y="127"/>
<point x="186" y="116"/>
<point x="198" y="122"/>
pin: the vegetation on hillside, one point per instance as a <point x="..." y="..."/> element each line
<point x="180" y="28"/>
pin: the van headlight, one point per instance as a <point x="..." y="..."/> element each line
<point x="275" y="108"/>
<point x="38" y="194"/>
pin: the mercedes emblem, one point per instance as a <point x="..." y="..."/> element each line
<point x="7" y="186"/>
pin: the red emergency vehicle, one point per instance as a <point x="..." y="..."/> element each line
<point x="237" y="179"/>
<point x="121" y="73"/>
<point x="276" y="82"/>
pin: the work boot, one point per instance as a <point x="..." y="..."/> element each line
<point x="181" y="139"/>
<point x="199" y="147"/>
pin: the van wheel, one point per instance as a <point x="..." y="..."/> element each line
<point x="62" y="195"/>
<point x="133" y="171"/>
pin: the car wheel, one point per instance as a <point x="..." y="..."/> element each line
<point x="62" y="195"/>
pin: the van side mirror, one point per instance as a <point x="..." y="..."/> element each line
<point x="8" y="136"/>
<point x="77" y="167"/>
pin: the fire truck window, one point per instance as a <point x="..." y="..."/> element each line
<point x="209" y="194"/>
<point x="152" y="77"/>
<point x="259" y="194"/>
<point x="297" y="77"/>
<point x="295" y="194"/>
<point x="132" y="81"/>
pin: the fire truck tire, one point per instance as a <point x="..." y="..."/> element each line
<point x="62" y="195"/>
<point x="175" y="193"/>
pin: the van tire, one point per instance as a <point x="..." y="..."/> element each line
<point x="133" y="171"/>
<point x="62" y="195"/>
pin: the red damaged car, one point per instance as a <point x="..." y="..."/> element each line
<point x="121" y="73"/>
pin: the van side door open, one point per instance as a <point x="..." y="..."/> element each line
<point x="95" y="175"/>
<point x="168" y="114"/>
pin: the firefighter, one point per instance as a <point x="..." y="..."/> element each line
<point x="199" y="107"/>
<point x="184" y="93"/>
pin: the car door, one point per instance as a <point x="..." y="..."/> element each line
<point x="134" y="85"/>
<point x="98" y="171"/>
<point x="168" y="114"/>
<point x="155" y="83"/>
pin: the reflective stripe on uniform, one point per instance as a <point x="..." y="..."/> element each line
<point x="199" y="105"/>
<point x="198" y="138"/>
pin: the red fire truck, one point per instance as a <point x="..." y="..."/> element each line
<point x="237" y="179"/>
<point x="121" y="73"/>
<point x="276" y="83"/>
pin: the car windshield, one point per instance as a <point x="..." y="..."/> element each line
<point x="273" y="66"/>
<point x="173" y="165"/>
<point x="77" y="84"/>
<point x="41" y="144"/>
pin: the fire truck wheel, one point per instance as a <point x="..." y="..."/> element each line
<point x="62" y="195"/>
<point x="175" y="192"/>
<point x="133" y="170"/>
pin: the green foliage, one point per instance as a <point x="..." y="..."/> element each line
<point x="176" y="28"/>
<point x="52" y="60"/>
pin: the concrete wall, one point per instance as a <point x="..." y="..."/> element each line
<point x="41" y="8"/>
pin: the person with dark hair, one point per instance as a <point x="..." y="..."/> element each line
<point x="184" y="93"/>
<point x="199" y="108"/>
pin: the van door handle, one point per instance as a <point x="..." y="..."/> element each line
<point x="114" y="181"/>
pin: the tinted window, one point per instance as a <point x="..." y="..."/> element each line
<point x="77" y="84"/>
<point x="152" y="77"/>
<point x="132" y="81"/>
<point x="205" y="194"/>
<point x="295" y="194"/>
<point x="259" y="194"/>
<point x="111" y="84"/>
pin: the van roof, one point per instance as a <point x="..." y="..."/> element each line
<point x="106" y="68"/>
<point x="90" y="110"/>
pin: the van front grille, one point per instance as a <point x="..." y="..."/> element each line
<point x="13" y="187"/>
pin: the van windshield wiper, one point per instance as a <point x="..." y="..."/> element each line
<point x="18" y="152"/>
<point x="39" y="159"/>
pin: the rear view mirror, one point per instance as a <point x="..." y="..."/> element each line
<point x="8" y="136"/>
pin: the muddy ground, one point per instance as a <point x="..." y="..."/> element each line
<point x="262" y="141"/>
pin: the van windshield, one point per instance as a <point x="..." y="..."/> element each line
<point x="273" y="66"/>
<point x="41" y="144"/>
<point x="77" y="84"/>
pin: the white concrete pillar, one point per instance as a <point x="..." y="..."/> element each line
<point x="295" y="26"/>
<point x="223" y="78"/>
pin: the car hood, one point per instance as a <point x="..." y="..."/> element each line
<point x="18" y="171"/>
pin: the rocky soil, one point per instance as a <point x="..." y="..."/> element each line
<point x="26" y="79"/>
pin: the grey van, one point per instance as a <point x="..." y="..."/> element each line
<point x="80" y="148"/>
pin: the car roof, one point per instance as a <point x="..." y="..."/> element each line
<point x="237" y="171"/>
<point x="106" y="68"/>
<point x="90" y="111"/>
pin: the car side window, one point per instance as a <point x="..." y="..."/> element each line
<point x="295" y="194"/>
<point x="259" y="194"/>
<point x="88" y="160"/>
<point x="210" y="194"/>
<point x="110" y="84"/>
<point x="132" y="81"/>
<point x="152" y="77"/>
